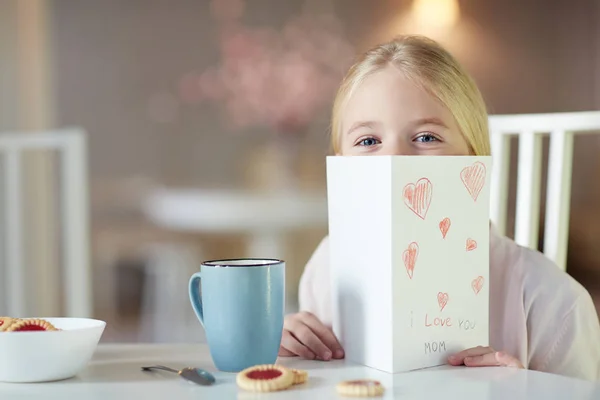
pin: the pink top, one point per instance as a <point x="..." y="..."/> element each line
<point x="538" y="313"/>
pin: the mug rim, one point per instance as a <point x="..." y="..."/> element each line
<point x="223" y="262"/>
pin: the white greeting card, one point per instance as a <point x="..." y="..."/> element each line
<point x="409" y="248"/>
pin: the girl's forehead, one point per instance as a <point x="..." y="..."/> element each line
<point x="388" y="93"/>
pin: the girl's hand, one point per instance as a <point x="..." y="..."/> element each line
<point x="305" y="336"/>
<point x="484" y="357"/>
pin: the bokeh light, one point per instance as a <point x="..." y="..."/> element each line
<point x="436" y="13"/>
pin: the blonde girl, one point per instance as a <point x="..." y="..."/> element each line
<point x="411" y="97"/>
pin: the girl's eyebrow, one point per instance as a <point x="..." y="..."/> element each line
<point x="362" y="124"/>
<point x="429" y="121"/>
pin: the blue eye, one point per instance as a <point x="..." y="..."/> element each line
<point x="427" y="138"/>
<point x="368" y="142"/>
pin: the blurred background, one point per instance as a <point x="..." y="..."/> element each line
<point x="207" y="128"/>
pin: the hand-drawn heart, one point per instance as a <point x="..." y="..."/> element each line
<point x="418" y="196"/>
<point x="473" y="177"/>
<point x="444" y="226"/>
<point x="410" y="258"/>
<point x="471" y="244"/>
<point x="477" y="284"/>
<point x="442" y="300"/>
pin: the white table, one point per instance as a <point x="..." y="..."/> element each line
<point x="264" y="217"/>
<point x="114" y="374"/>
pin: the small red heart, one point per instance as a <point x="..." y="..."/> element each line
<point x="444" y="226"/>
<point x="477" y="284"/>
<point x="442" y="300"/>
<point x="471" y="244"/>
<point x="410" y="258"/>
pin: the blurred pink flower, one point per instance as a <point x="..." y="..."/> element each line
<point x="279" y="79"/>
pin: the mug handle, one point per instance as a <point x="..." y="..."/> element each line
<point x="195" y="296"/>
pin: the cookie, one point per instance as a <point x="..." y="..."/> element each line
<point x="265" y="378"/>
<point x="360" y="388"/>
<point x="300" y="376"/>
<point x="5" y="323"/>
<point x="30" y="325"/>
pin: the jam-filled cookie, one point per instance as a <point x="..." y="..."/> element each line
<point x="5" y="323"/>
<point x="300" y="376"/>
<point x="360" y="388"/>
<point x="30" y="325"/>
<point x="265" y="378"/>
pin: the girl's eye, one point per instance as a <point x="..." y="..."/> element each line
<point x="427" y="138"/>
<point x="367" y="142"/>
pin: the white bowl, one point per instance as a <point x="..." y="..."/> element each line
<point x="27" y="357"/>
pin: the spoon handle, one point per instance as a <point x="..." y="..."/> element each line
<point x="160" y="367"/>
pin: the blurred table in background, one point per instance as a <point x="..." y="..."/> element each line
<point x="266" y="220"/>
<point x="264" y="217"/>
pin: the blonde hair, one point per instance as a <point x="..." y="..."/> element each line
<point x="428" y="64"/>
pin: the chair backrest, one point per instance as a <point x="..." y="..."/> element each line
<point x="530" y="128"/>
<point x="74" y="219"/>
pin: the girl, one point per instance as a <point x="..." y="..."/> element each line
<point x="411" y="97"/>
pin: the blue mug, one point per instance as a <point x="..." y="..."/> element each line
<point x="241" y="307"/>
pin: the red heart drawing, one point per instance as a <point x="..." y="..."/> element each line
<point x="473" y="177"/>
<point x="477" y="284"/>
<point x="444" y="226"/>
<point x="410" y="258"/>
<point x="471" y="244"/>
<point x="418" y="196"/>
<point x="442" y="300"/>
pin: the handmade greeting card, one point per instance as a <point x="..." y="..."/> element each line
<point x="409" y="248"/>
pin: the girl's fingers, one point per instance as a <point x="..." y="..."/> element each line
<point x="283" y="352"/>
<point x="491" y="359"/>
<point x="484" y="360"/>
<point x="290" y="345"/>
<point x="305" y="335"/>
<point x="459" y="358"/>
<point x="324" y="333"/>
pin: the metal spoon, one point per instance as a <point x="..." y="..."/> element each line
<point x="195" y="375"/>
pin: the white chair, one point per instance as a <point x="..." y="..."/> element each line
<point x="74" y="239"/>
<point x="530" y="128"/>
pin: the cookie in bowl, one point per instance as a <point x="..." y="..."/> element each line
<point x="5" y="323"/>
<point x="25" y="325"/>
